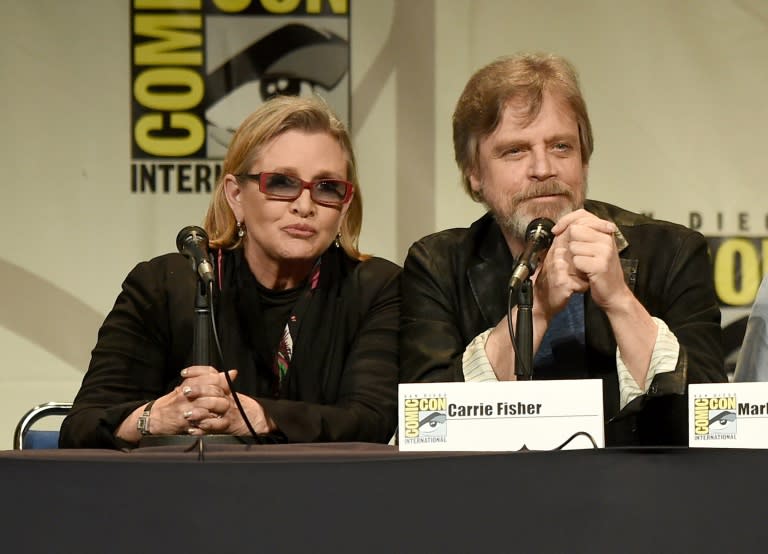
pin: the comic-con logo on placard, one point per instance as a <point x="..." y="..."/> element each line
<point x="426" y="419"/>
<point x="714" y="417"/>
<point x="198" y="68"/>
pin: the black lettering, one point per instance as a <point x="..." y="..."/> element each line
<point x="186" y="178"/>
<point x="694" y="220"/>
<point x="203" y="175"/>
<point x="182" y="177"/>
<point x="743" y="221"/>
<point x="165" y="173"/>
<point x="143" y="178"/>
<point x="471" y="410"/>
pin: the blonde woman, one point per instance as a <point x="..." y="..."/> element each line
<point x="308" y="326"/>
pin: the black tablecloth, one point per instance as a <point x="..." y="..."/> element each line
<point x="372" y="498"/>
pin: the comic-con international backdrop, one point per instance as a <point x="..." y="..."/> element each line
<point x="116" y="114"/>
<point x="197" y="72"/>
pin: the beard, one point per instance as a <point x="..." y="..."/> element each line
<point x="514" y="213"/>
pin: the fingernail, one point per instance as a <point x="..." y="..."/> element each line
<point x="186" y="390"/>
<point x="187" y="414"/>
<point x="184" y="372"/>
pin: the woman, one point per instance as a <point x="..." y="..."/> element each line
<point x="307" y="322"/>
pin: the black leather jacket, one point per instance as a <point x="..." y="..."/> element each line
<point x="455" y="287"/>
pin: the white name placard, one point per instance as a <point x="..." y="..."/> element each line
<point x="502" y="416"/>
<point x="728" y="415"/>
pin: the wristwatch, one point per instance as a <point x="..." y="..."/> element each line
<point x="143" y="423"/>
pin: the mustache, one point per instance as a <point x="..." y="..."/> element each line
<point x="546" y="188"/>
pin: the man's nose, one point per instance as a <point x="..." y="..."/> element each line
<point x="541" y="167"/>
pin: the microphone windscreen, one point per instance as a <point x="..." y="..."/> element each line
<point x="192" y="232"/>
<point x="540" y="230"/>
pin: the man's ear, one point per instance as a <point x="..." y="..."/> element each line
<point x="475" y="185"/>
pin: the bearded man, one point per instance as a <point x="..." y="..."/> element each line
<point x="617" y="296"/>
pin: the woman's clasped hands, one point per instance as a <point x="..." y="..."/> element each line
<point x="203" y="404"/>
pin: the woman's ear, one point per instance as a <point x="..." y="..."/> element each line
<point x="234" y="193"/>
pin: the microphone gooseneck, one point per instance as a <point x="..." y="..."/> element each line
<point x="192" y="241"/>
<point x="538" y="237"/>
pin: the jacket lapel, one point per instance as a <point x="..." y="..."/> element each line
<point x="489" y="269"/>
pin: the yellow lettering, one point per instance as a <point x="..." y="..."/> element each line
<point x="726" y="270"/>
<point x="167" y="4"/>
<point x="411" y="418"/>
<point x="150" y="125"/>
<point x="432" y="404"/>
<point x="337" y="6"/>
<point x="231" y="6"/>
<point x="169" y="89"/>
<point x="765" y="254"/>
<point x="280" y="6"/>
<point x="175" y="47"/>
<point x="701" y="416"/>
<point x="728" y="403"/>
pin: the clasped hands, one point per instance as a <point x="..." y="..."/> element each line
<point x="203" y="404"/>
<point x="583" y="256"/>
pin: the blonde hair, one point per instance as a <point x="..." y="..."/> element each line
<point x="274" y="117"/>
<point x="523" y="76"/>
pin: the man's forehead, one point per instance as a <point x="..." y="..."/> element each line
<point x="518" y="115"/>
<point x="521" y="107"/>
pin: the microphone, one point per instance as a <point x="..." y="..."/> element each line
<point x="538" y="237"/>
<point x="192" y="241"/>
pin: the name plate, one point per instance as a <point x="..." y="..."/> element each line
<point x="728" y="415"/>
<point x="502" y="416"/>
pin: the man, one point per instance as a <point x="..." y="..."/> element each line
<point x="618" y="296"/>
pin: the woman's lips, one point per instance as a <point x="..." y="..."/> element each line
<point x="300" y="231"/>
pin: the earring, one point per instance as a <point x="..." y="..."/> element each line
<point x="337" y="240"/>
<point x="240" y="229"/>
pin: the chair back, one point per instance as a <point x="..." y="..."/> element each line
<point x="24" y="437"/>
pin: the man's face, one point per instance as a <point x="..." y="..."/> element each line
<point x="529" y="171"/>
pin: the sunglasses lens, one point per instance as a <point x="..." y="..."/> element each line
<point x="281" y="185"/>
<point x="330" y="191"/>
<point x="324" y="191"/>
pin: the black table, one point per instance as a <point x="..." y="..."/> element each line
<point x="371" y="498"/>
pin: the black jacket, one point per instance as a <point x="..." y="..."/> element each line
<point x="455" y="287"/>
<point x="146" y="340"/>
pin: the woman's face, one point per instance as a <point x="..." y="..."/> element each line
<point x="283" y="236"/>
